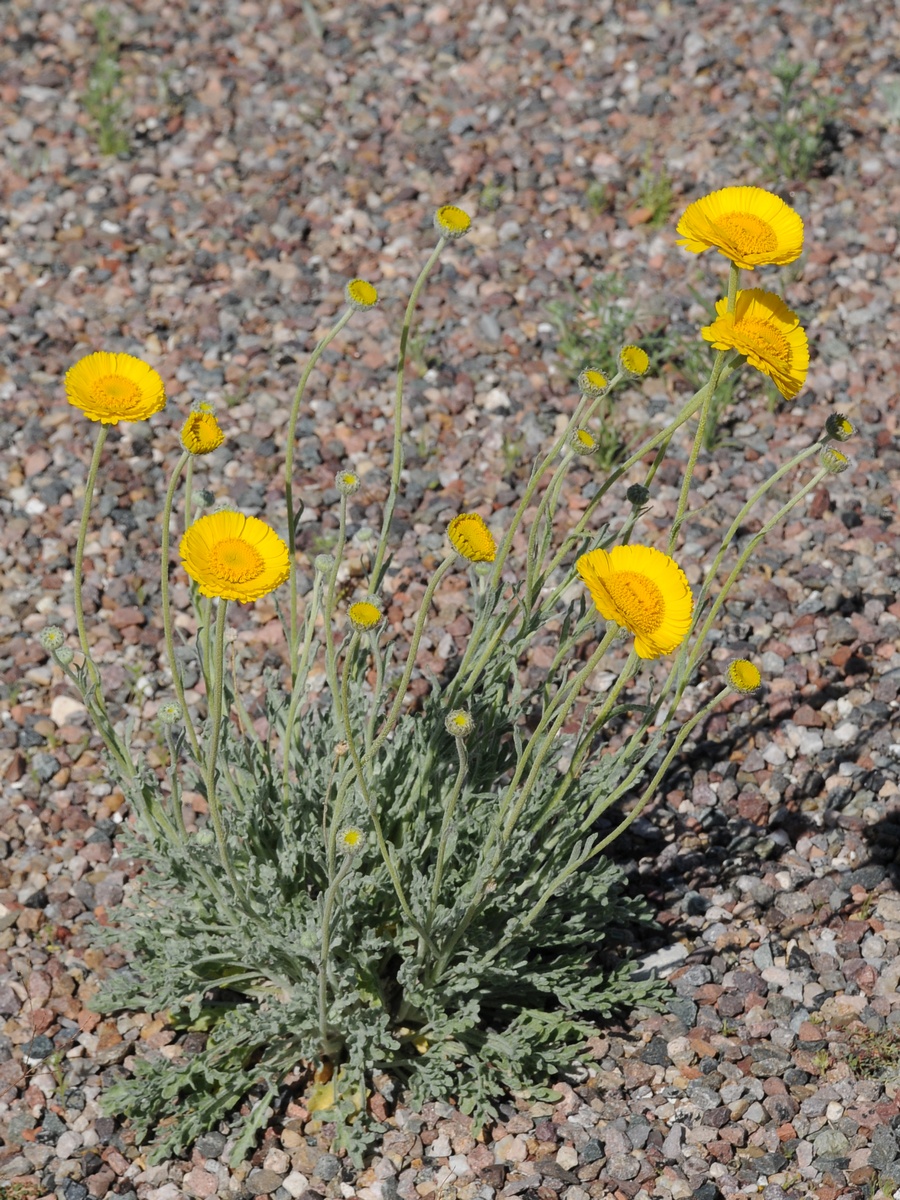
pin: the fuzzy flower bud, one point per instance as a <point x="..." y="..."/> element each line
<point x="170" y="712"/>
<point x="365" y="614"/>
<point x="361" y="294"/>
<point x="323" y="563"/>
<point x="833" y="460"/>
<point x="592" y="382"/>
<point x="582" y="441"/>
<point x="64" y="655"/>
<point x="347" y="482"/>
<point x="202" y="498"/>
<point x="350" y="839"/>
<point x="743" y="676"/>
<point x="459" y="723"/>
<point x="452" y="222"/>
<point x="633" y="361"/>
<point x="51" y="638"/>
<point x="638" y="495"/>
<point x="838" y="427"/>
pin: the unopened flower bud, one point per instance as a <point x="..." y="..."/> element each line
<point x="350" y="839"/>
<point x="838" y="427"/>
<point x="638" y="495"/>
<point x="459" y="723"/>
<point x="51" y="638"/>
<point x="64" y="655"/>
<point x="365" y="614"/>
<point x="202" y="498"/>
<point x="361" y="294"/>
<point x="582" y="441"/>
<point x="743" y="676"/>
<point x="833" y="460"/>
<point x="633" y="361"/>
<point x="170" y="712"/>
<point x="347" y="483"/>
<point x="452" y="222"/>
<point x="592" y="382"/>
<point x="323" y="563"/>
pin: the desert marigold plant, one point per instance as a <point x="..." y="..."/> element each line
<point x="421" y="889"/>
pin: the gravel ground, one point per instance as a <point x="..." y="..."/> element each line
<point x="266" y="167"/>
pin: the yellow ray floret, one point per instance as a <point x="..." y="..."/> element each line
<point x="767" y="333"/>
<point x="234" y="557"/>
<point x="644" y="591"/>
<point x="115" y="387"/>
<point x="470" y="537"/>
<point x="749" y="225"/>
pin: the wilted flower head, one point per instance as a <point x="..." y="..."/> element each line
<point x="201" y="433"/>
<point x="637" y="495"/>
<point x="592" y="382"/>
<point x="51" y="638"/>
<point x="582" y="441"/>
<point x="365" y="614"/>
<point x="833" y="460"/>
<point x="452" y="222"/>
<point x="361" y="294"/>
<point x="170" y="712"/>
<point x="633" y="361"/>
<point x="838" y="427"/>
<point x="115" y="387"/>
<point x="459" y="723"/>
<point x="744" y="676"/>
<point x="470" y="537"/>
<point x="347" y="483"/>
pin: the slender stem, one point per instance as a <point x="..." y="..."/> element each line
<point x="397" y="456"/>
<point x="289" y="471"/>
<point x="695" y="450"/>
<point x="215" y="721"/>
<point x="79" y="552"/>
<point x="189" y="493"/>
<point x="446" y="824"/>
<point x="298" y="689"/>
<point x="327" y="910"/>
<point x="177" y="683"/>
<point x="391" y="719"/>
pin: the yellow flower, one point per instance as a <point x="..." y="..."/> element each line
<point x="592" y="382"/>
<point x="234" y="557"/>
<point x="115" y="387"/>
<point x="459" y="723"/>
<point x="744" y="676"/>
<point x="833" y="460"/>
<point x="749" y="225"/>
<point x="350" y="839"/>
<point x="361" y="294"/>
<point x="347" y="483"/>
<point x="633" y="361"/>
<point x="767" y="333"/>
<point x="202" y="433"/>
<point x="365" y="614"/>
<point x="644" y="591"/>
<point x="470" y="537"/>
<point x="452" y="222"/>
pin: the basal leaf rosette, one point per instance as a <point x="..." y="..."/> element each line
<point x="749" y="225"/>
<point x="234" y="557"/>
<point x="767" y="333"/>
<point x="643" y="591"/>
<point x="115" y="387"/>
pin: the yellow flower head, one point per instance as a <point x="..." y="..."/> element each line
<point x="202" y="433"/>
<point x="350" y="839"/>
<point x="115" y="387"/>
<point x="744" y="676"/>
<point x="347" y="483"/>
<point x="361" y="294"/>
<point x="767" y="333"/>
<point x="459" y="723"/>
<point x="583" y="441"/>
<point x="234" y="557"/>
<point x="838" y="427"/>
<point x="592" y="382"/>
<point x="833" y="460"/>
<point x="365" y="614"/>
<point x="633" y="361"/>
<point x="644" y="591"/>
<point x="452" y="222"/>
<point x="749" y="225"/>
<point x="470" y="537"/>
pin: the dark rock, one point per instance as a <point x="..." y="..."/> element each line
<point x="211" y="1145"/>
<point x="655" y="1053"/>
<point x="37" y="899"/>
<point x="44" y="765"/>
<point x="75" y="1191"/>
<point x="51" y="1130"/>
<point x="769" y="1164"/>
<point x="327" y="1167"/>
<point x="592" y="1151"/>
<point x="262" y="1183"/>
<point x="39" y="1047"/>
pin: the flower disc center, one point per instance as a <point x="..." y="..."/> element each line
<point x="749" y="233"/>
<point x="638" y="599"/>
<point x="767" y="341"/>
<point x="116" y="393"/>
<point x="236" y="560"/>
